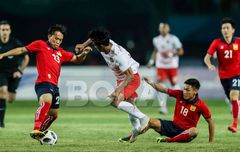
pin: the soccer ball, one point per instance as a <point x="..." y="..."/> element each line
<point x="50" y="138"/>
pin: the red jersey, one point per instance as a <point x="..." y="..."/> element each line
<point x="187" y="115"/>
<point x="228" y="57"/>
<point x="49" y="60"/>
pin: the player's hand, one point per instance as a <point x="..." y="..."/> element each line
<point x="167" y="54"/>
<point x="17" y="74"/>
<point x="79" y="48"/>
<point x="87" y="49"/>
<point x="115" y="94"/>
<point x="211" y="67"/>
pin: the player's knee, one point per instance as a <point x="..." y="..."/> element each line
<point x="153" y="123"/>
<point x="193" y="132"/>
<point x="234" y="95"/>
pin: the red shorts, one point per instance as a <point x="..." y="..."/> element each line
<point x="165" y="74"/>
<point x="129" y="91"/>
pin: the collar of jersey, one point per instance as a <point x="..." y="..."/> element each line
<point x="49" y="44"/>
<point x="233" y="40"/>
<point x="193" y="101"/>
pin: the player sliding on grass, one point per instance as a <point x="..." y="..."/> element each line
<point x="188" y="110"/>
<point x="228" y="54"/>
<point x="125" y="68"/>
<point x="49" y="60"/>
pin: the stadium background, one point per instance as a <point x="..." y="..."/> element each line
<point x="133" y="24"/>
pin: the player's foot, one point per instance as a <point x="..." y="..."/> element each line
<point x="134" y="135"/>
<point x="160" y="139"/>
<point x="125" y="139"/>
<point x="37" y="134"/>
<point x="144" y="124"/>
<point x="233" y="129"/>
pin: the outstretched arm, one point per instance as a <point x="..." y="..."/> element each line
<point x="156" y="86"/>
<point x="80" y="47"/>
<point x="207" y="61"/>
<point x="82" y="56"/>
<point x="14" y="52"/>
<point x="211" y="129"/>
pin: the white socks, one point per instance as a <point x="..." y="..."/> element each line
<point x="130" y="109"/>
<point x="135" y="122"/>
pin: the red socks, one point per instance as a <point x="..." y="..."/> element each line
<point x="41" y="114"/>
<point x="235" y="110"/>
<point x="47" y="122"/>
<point x="183" y="137"/>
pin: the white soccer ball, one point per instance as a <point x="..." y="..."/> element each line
<point x="50" y="138"/>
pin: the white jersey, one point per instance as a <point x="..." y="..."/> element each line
<point x="119" y="60"/>
<point x="170" y="43"/>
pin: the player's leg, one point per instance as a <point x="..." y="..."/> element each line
<point x="44" y="93"/>
<point x="185" y="136"/>
<point x="162" y="97"/>
<point x="127" y="106"/>
<point x="234" y="96"/>
<point x="3" y="97"/>
<point x="173" y="77"/>
<point x="13" y="84"/>
<point x="49" y="118"/>
<point x="53" y="112"/>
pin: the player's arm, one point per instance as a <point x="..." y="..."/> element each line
<point x="211" y="129"/>
<point x="152" y="59"/>
<point x="156" y="86"/>
<point x="14" y="52"/>
<point x="128" y="79"/>
<point x="82" y="56"/>
<point x="179" y="52"/>
<point x="80" y="47"/>
<point x="207" y="61"/>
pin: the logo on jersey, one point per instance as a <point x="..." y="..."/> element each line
<point x="221" y="47"/>
<point x="49" y="76"/>
<point x="193" y="108"/>
<point x="235" y="47"/>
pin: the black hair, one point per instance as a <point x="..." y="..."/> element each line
<point x="99" y="35"/>
<point x="228" y="20"/>
<point x="57" y="27"/>
<point x="193" y="82"/>
<point x="4" y="22"/>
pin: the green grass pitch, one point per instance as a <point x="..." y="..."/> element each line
<point x="97" y="128"/>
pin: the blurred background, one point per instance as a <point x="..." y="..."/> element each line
<point x="132" y="23"/>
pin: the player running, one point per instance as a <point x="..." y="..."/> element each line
<point x="125" y="69"/>
<point x="11" y="68"/>
<point x="167" y="49"/>
<point x="228" y="55"/>
<point x="50" y="57"/>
